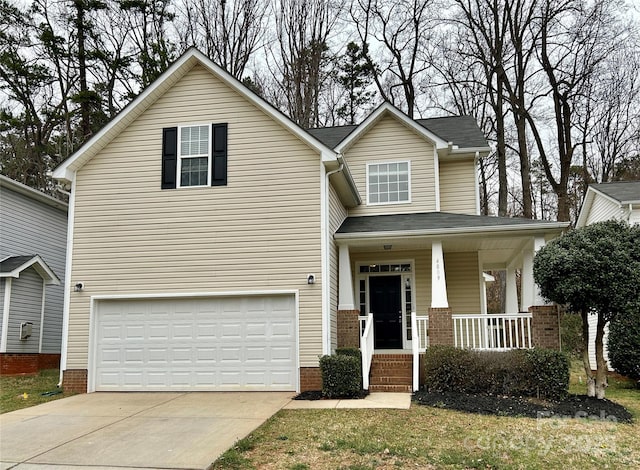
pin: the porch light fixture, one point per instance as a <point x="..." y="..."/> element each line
<point x="311" y="279"/>
<point x="387" y="247"/>
<point x="78" y="287"/>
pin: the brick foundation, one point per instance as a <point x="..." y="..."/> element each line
<point x="75" y="380"/>
<point x="440" y="327"/>
<point x="310" y="379"/>
<point x="348" y="329"/>
<point x="545" y="326"/>
<point x="27" y="364"/>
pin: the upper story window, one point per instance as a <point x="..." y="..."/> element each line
<point x="194" y="156"/>
<point x="388" y="183"/>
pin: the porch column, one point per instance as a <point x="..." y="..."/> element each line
<point x="530" y="293"/>
<point x="345" y="281"/>
<point x="511" y="300"/>
<point x="438" y="282"/>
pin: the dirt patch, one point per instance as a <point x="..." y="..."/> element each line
<point x="574" y="406"/>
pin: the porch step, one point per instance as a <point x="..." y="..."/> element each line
<point x="391" y="373"/>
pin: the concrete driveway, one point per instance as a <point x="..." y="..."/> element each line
<point x="133" y="430"/>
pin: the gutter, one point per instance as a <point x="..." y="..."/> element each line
<point x="450" y="231"/>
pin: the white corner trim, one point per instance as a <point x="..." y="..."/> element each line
<point x="44" y="292"/>
<point x="67" y="279"/>
<point x="6" y="306"/>
<point x="324" y="256"/>
<point x="436" y="176"/>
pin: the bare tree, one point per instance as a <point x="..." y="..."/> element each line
<point x="301" y="55"/>
<point x="403" y="29"/>
<point x="228" y="31"/>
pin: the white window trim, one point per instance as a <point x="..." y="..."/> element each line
<point x="408" y="201"/>
<point x="180" y="157"/>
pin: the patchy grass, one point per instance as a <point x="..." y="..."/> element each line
<point x="433" y="438"/>
<point x="24" y="391"/>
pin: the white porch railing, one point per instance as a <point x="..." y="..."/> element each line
<point x="419" y="343"/>
<point x="366" y="347"/>
<point x="493" y="332"/>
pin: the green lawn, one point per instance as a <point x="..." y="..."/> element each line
<point x="25" y="391"/>
<point x="433" y="438"/>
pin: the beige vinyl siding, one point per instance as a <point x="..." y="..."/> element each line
<point x="604" y="209"/>
<point x="458" y="186"/>
<point x="391" y="141"/>
<point x="337" y="214"/>
<point x="261" y="232"/>
<point x="463" y="284"/>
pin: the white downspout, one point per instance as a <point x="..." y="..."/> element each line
<point x="67" y="280"/>
<point x="326" y="248"/>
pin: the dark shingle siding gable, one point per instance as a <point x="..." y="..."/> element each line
<point x="621" y="191"/>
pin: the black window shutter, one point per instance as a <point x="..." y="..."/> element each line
<point x="219" y="156"/>
<point x="169" y="157"/>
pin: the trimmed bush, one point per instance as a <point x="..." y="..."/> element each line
<point x="624" y="344"/>
<point x="341" y="376"/>
<point x="540" y="373"/>
<point x="354" y="352"/>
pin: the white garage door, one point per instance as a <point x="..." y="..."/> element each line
<point x="230" y="343"/>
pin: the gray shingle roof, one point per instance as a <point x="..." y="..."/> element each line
<point x="621" y="191"/>
<point x="332" y="136"/>
<point x="13" y="262"/>
<point x="463" y="131"/>
<point x="428" y="221"/>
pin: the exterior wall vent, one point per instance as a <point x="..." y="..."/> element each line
<point x="26" y="328"/>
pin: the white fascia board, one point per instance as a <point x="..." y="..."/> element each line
<point x="40" y="266"/>
<point x="377" y="114"/>
<point x="176" y="71"/>
<point x="461" y="231"/>
<point x="456" y="153"/>
<point x="585" y="209"/>
<point x="606" y="196"/>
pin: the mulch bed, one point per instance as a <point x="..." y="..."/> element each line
<point x="317" y="395"/>
<point x="574" y="406"/>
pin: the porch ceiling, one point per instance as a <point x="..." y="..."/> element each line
<point x="499" y="240"/>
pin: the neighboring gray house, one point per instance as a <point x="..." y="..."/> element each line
<point x="619" y="200"/>
<point x="33" y="241"/>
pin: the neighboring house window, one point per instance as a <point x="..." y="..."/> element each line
<point x="388" y="183"/>
<point x="194" y="156"/>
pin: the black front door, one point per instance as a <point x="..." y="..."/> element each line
<point x="385" y="303"/>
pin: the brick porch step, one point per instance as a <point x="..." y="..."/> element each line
<point x="391" y="373"/>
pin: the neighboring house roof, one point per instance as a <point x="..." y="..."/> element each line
<point x="14" y="265"/>
<point x="6" y="182"/>
<point x="621" y="193"/>
<point x="625" y="192"/>
<point x="435" y="223"/>
<point x="461" y="131"/>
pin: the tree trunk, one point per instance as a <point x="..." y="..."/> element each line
<point x="591" y="382"/>
<point x="601" y="371"/>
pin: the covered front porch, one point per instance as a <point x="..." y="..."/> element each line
<point x="415" y="280"/>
